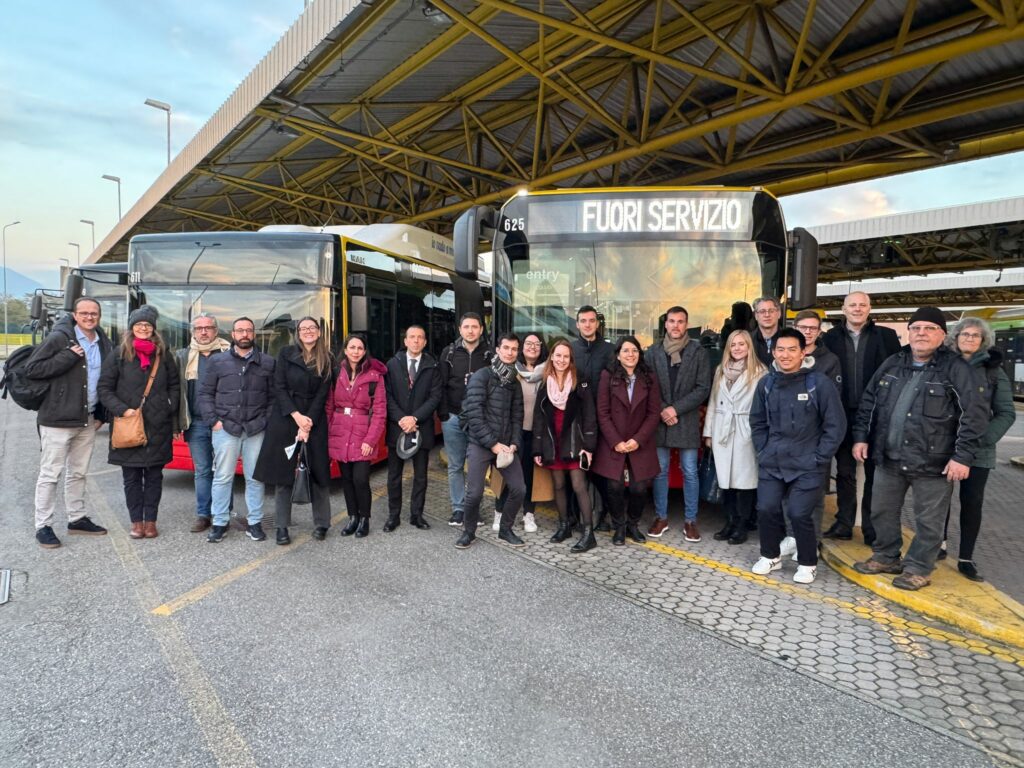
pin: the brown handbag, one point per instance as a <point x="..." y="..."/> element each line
<point x="130" y="431"/>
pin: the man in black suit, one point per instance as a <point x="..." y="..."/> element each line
<point x="861" y="347"/>
<point x="414" y="389"/>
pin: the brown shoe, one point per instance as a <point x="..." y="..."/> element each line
<point x="658" y="527"/>
<point x="149" y="529"/>
<point x="201" y="524"/>
<point x="137" y="531"/>
<point x="690" y="532"/>
<point x="911" y="582"/>
<point x="873" y="567"/>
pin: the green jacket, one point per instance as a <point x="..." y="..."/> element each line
<point x="989" y="363"/>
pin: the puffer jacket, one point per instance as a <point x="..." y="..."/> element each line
<point x="693" y="386"/>
<point x="67" y="400"/>
<point x="989" y="363"/>
<point x="797" y="422"/>
<point x="579" y="425"/>
<point x="946" y="419"/>
<point x="354" y="416"/>
<point x="238" y="392"/>
<point x="492" y="411"/>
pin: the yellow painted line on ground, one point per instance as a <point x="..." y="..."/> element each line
<point x="207" y="588"/>
<point x="896" y="625"/>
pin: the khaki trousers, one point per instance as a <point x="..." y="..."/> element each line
<point x="67" y="450"/>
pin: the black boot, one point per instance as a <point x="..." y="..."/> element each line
<point x="602" y="522"/>
<point x="505" y="534"/>
<point x="726" y="532"/>
<point x="587" y="541"/>
<point x="633" y="531"/>
<point x="282" y="536"/>
<point x="739" y="534"/>
<point x="619" y="538"/>
<point x="562" y="532"/>
<point x="353" y="523"/>
<point x="363" y="529"/>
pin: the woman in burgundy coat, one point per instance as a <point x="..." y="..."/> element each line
<point x="628" y="412"/>
<point x="356" y="415"/>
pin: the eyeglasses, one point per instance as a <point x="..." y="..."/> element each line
<point x="143" y="325"/>
<point x="87" y="314"/>
<point x="965" y="335"/>
<point x="769" y="311"/>
<point x="244" y="331"/>
<point x="924" y="329"/>
<point x="532" y="344"/>
<point x="198" y="328"/>
<point x="807" y="328"/>
<point x="309" y="329"/>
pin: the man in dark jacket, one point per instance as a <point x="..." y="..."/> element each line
<point x="235" y="396"/>
<point x="493" y="407"/>
<point x="414" y="391"/>
<point x="796" y="423"/>
<point x="69" y="359"/>
<point x="458" y="361"/>
<point x="861" y="347"/>
<point x="768" y="314"/>
<point x="684" y="375"/>
<point x="920" y="421"/>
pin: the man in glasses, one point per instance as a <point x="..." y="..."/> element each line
<point x="69" y="359"/>
<point x="236" y="394"/>
<point x="920" y="421"/>
<point x="193" y="362"/>
<point x="768" y="313"/>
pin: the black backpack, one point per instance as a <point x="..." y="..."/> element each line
<point x="26" y="392"/>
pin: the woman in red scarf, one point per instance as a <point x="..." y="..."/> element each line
<point x="122" y="383"/>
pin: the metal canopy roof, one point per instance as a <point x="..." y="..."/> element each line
<point x="408" y="110"/>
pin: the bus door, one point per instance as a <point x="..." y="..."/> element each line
<point x="381" y="336"/>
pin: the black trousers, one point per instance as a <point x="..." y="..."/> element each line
<point x="143" y="487"/>
<point x="846" y="489"/>
<point x="972" y="498"/>
<point x="396" y="466"/>
<point x="526" y="462"/>
<point x="801" y="496"/>
<point x="321" y="497"/>
<point x="738" y="505"/>
<point x="622" y="512"/>
<point x="355" y="483"/>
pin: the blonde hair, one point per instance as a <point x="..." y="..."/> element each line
<point x="754" y="369"/>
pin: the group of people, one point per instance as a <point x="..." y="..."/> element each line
<point x="603" y="419"/>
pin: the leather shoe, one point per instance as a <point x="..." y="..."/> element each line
<point x="838" y="531"/>
<point x="137" y="531"/>
<point x="391" y="524"/>
<point x="363" y="529"/>
<point x="739" y="536"/>
<point x="149" y="529"/>
<point x="725" y="534"/>
<point x="353" y="524"/>
<point x="562" y="533"/>
<point x="200" y="524"/>
<point x="634" y="533"/>
<point x="319" y="534"/>
<point x="619" y="538"/>
<point x="417" y="521"/>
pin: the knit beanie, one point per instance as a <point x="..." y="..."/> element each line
<point x="929" y="315"/>
<point x="147" y="314"/>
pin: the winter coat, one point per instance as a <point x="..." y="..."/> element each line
<point x="592" y="359"/>
<point x="296" y="388"/>
<point x="579" y="425"/>
<point x="693" y="385"/>
<point x="797" y="422"/>
<point x="826" y="362"/>
<point x="876" y="345"/>
<point x="238" y="392"/>
<point x="67" y="401"/>
<point x="420" y="400"/>
<point x="727" y="423"/>
<point x="620" y="420"/>
<point x="456" y="365"/>
<point x="122" y="383"/>
<point x="762" y="348"/>
<point x="989" y="364"/>
<point x="946" y="418"/>
<point x="185" y="416"/>
<point x="493" y="412"/>
<point x="366" y="417"/>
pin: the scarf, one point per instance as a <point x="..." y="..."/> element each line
<point x="144" y="348"/>
<point x="195" y="349"/>
<point x="506" y="373"/>
<point x="732" y="371"/>
<point x="559" y="396"/>
<point x="674" y="349"/>
<point x="530" y="377"/>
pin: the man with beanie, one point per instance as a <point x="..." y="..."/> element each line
<point x="684" y="376"/>
<point x="193" y="361"/>
<point x="920" y="421"/>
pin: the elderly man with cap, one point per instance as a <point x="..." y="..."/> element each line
<point x="414" y="389"/>
<point x="920" y="421"/>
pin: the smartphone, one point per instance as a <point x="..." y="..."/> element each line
<point x="584" y="462"/>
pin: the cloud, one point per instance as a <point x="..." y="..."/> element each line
<point x="830" y="206"/>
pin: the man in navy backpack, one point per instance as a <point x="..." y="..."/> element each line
<point x="797" y="422"/>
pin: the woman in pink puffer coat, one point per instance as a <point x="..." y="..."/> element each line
<point x="356" y="415"/>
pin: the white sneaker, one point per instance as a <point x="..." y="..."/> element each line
<point x="805" y="574"/>
<point x="529" y="524"/>
<point x="787" y="547"/>
<point x="766" y="565"/>
<point x="496" y="525"/>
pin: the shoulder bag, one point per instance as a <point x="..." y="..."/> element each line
<point x="130" y="431"/>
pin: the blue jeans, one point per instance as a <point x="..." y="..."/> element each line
<point x="226" y="449"/>
<point x="200" y="445"/>
<point x="455" y="445"/>
<point x="691" y="491"/>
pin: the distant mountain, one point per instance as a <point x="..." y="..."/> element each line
<point x="18" y="284"/>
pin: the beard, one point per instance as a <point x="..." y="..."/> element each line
<point x="245" y="343"/>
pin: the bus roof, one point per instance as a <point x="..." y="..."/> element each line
<point x="403" y="239"/>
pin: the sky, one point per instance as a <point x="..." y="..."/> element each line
<point x="74" y="76"/>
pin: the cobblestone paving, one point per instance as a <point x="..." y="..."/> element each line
<point x="834" y="631"/>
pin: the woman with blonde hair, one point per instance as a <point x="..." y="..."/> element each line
<point x="727" y="433"/>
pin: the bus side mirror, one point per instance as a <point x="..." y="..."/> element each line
<point x="73" y="288"/>
<point x="358" y="314"/>
<point x="805" y="269"/>
<point x="469" y="230"/>
<point x="36" y="310"/>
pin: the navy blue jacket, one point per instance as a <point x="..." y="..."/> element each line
<point x="238" y="391"/>
<point x="797" y="422"/>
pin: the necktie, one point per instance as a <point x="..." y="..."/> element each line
<point x="412" y="371"/>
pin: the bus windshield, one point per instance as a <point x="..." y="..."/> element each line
<point x="234" y="259"/>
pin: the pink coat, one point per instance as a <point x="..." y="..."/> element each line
<point x="346" y="432"/>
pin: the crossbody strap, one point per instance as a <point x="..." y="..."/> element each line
<point x="149" y="384"/>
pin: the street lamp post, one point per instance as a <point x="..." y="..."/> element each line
<point x="166" y="108"/>
<point x="78" y="249"/>
<point x="117" y="180"/>
<point x="93" y="225"/>
<point x="7" y="345"/>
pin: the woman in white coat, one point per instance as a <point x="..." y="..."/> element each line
<point x="727" y="433"/>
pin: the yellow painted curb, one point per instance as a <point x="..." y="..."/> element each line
<point x="975" y="607"/>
